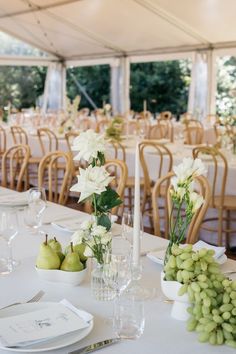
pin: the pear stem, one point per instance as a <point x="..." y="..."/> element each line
<point x="46" y="239"/>
<point x="71" y="246"/>
<point x="55" y="239"/>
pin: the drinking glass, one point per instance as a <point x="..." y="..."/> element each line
<point x="129" y="320"/>
<point x="36" y="207"/>
<point x="8" y="231"/>
<point x="127" y="225"/>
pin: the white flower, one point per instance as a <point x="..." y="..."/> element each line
<point x="88" y="144"/>
<point x="106" y="238"/>
<point x="197" y="200"/>
<point x="78" y="236"/>
<point x="91" y="180"/>
<point x="88" y="252"/>
<point x="87" y="225"/>
<point x="98" y="230"/>
<point x="188" y="168"/>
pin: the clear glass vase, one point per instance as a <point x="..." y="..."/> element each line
<point x="100" y="290"/>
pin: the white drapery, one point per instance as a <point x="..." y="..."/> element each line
<point x="199" y="95"/>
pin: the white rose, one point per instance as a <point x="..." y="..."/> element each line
<point x="91" y="180"/>
<point x="78" y="236"/>
<point x="88" y="252"/>
<point x="98" y="230"/>
<point x="197" y="200"/>
<point x="88" y="144"/>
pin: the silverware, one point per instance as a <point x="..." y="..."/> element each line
<point x="96" y="346"/>
<point x="35" y="298"/>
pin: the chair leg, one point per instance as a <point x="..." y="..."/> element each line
<point x="227" y="229"/>
<point x="130" y="198"/>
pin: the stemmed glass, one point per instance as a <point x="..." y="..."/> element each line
<point x="127" y="225"/>
<point x="8" y="231"/>
<point x="36" y="207"/>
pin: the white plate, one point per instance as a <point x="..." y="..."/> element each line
<point x="57" y="343"/>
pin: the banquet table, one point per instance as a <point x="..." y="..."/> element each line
<point x="162" y="333"/>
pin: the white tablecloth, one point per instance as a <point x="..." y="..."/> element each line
<point x="162" y="334"/>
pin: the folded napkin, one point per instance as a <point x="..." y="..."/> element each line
<point x="42" y="325"/>
<point x="158" y="256"/>
<point x="14" y="199"/>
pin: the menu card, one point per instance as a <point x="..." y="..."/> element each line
<point x="44" y="324"/>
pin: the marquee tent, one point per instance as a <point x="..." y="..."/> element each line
<point x="119" y="32"/>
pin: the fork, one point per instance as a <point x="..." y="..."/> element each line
<point x="35" y="298"/>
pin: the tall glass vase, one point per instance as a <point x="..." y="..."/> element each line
<point x="100" y="291"/>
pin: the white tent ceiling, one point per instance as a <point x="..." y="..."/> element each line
<point x="81" y="29"/>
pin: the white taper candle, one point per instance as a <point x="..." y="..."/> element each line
<point x="136" y="230"/>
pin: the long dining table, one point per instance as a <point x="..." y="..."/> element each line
<point x="162" y="333"/>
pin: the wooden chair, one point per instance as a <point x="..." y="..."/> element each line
<point x="119" y="170"/>
<point x="14" y="167"/>
<point x="3" y="141"/>
<point x="70" y="136"/>
<point x="55" y="181"/>
<point x="85" y="124"/>
<point x="20" y="136"/>
<point x="130" y="127"/>
<point x="163" y="165"/>
<point x="102" y="125"/>
<point x="221" y="202"/>
<point x="48" y="140"/>
<point x="202" y="186"/>
<point x="162" y="130"/>
<point x="193" y="132"/>
<point x="166" y="115"/>
<point x="116" y="150"/>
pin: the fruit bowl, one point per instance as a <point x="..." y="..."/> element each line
<point x="61" y="276"/>
<point x="180" y="303"/>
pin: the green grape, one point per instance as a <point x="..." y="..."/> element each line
<point x="226" y="298"/>
<point x="183" y="289"/>
<point x="202" y="278"/>
<point x="202" y="252"/>
<point x="195" y="257"/>
<point x="203" y="265"/>
<point x="209" y="259"/>
<point x="190" y="310"/>
<point x="197" y="297"/>
<point x="190" y="294"/>
<point x="187" y="264"/>
<point x="213" y="268"/>
<point x="203" y="320"/>
<point x="234" y="312"/>
<point x="179" y="261"/>
<point x="203" y="337"/>
<point x="217" y="284"/>
<point x="188" y="248"/>
<point x="210" y="326"/>
<point x="212" y="338"/>
<point x="226" y="307"/>
<point x="217" y="319"/>
<point x="228" y="289"/>
<point x="215" y="312"/>
<point x="233" y="284"/>
<point x="219" y="336"/>
<point x="203" y="285"/>
<point x="196" y="288"/>
<point x="234" y="303"/>
<point x="179" y="276"/>
<point x="233" y="295"/>
<point x="211" y="292"/>
<point x="205" y="310"/>
<point x="225" y="283"/>
<point x="213" y="302"/>
<point x="200" y="327"/>
<point x="211" y="252"/>
<point x="231" y="343"/>
<point x="232" y="320"/>
<point x="207" y="302"/>
<point x="191" y="324"/>
<point x="172" y="261"/>
<point x="227" y="327"/>
<point x="176" y="250"/>
<point x="185" y="256"/>
<point x="226" y="315"/>
<point x="227" y="335"/>
<point x="203" y="294"/>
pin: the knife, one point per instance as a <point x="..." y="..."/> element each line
<point x="96" y="346"/>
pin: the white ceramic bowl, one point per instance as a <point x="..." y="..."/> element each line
<point x="61" y="276"/>
<point x="170" y="290"/>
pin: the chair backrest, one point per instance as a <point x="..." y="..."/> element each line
<point x="3" y="140"/>
<point x="14" y="167"/>
<point x="217" y="171"/>
<point x="162" y="165"/>
<point x="162" y="130"/>
<point x="55" y="180"/>
<point x="130" y="127"/>
<point x="19" y="135"/>
<point x="116" y="150"/>
<point x="48" y="140"/>
<point x="202" y="186"/>
<point x="85" y="124"/>
<point x="119" y="170"/>
<point x="193" y="132"/>
<point x="70" y="136"/>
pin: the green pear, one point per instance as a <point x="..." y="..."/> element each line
<point x="79" y="248"/>
<point x="56" y="246"/>
<point x="72" y="262"/>
<point x="47" y="258"/>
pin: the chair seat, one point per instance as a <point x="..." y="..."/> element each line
<point x="229" y="202"/>
<point x="131" y="181"/>
<point x="35" y="160"/>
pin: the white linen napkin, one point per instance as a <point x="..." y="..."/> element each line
<point x="16" y="199"/>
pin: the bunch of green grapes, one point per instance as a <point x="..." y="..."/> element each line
<point x="211" y="294"/>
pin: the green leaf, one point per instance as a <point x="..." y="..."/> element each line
<point x="104" y="220"/>
<point x="107" y="200"/>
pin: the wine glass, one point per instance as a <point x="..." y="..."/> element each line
<point x="36" y="207"/>
<point x="127" y="225"/>
<point x="8" y="231"/>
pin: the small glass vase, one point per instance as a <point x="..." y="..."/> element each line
<point x="100" y="291"/>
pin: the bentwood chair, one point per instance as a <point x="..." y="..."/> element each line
<point x="102" y="125"/>
<point x="163" y="165"/>
<point x="14" y="167"/>
<point x="203" y="187"/>
<point x="162" y="130"/>
<point x="220" y="201"/>
<point x="55" y="181"/>
<point x="193" y="132"/>
<point x="48" y="140"/>
<point x="166" y="115"/>
<point x="20" y="136"/>
<point x="70" y="136"/>
<point x="119" y="170"/>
